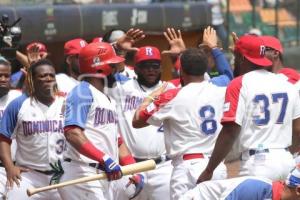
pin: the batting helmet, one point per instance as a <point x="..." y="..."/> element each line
<point x="96" y="58"/>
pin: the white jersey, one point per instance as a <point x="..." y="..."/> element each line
<point x="246" y="188"/>
<point x="38" y="130"/>
<point x="191" y="117"/>
<point x="128" y="72"/>
<point x="146" y="142"/>
<point x="65" y="83"/>
<point x="264" y="105"/>
<point x="93" y="111"/>
<point x="4" y="101"/>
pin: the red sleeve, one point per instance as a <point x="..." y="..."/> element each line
<point x="161" y="100"/>
<point x="120" y="140"/>
<point x="293" y="75"/>
<point x="5" y="139"/>
<point x="175" y="82"/>
<point x="232" y="100"/>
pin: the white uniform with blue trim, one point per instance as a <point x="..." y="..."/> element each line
<point x="4" y="101"/>
<point x="38" y="130"/>
<point x="145" y="143"/>
<point x="191" y="117"/>
<point x="95" y="113"/>
<point x="242" y="188"/>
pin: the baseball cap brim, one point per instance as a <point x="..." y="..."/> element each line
<point x="262" y="61"/>
<point x="115" y="60"/>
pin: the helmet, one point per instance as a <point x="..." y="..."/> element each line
<point x="96" y="57"/>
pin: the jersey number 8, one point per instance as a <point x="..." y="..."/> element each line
<point x="209" y="124"/>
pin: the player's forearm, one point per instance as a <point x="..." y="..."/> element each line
<point x="22" y="59"/>
<point x="77" y="138"/>
<point x="138" y="121"/>
<point x="5" y="154"/>
<point x="125" y="157"/>
<point x="223" y="145"/>
<point x="296" y="136"/>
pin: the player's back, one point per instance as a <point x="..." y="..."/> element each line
<point x="265" y="109"/>
<point x="193" y="121"/>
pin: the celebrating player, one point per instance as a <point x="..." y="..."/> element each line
<point x="90" y="126"/>
<point x="248" y="188"/>
<point x="191" y="121"/>
<point x="262" y="110"/>
<point x="6" y="96"/>
<point x="36" y="119"/>
<point x="146" y="143"/>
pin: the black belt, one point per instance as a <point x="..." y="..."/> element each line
<point x="157" y="160"/>
<point x="47" y="172"/>
<point x="94" y="165"/>
<point x="254" y="151"/>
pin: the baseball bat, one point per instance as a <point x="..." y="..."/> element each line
<point x="126" y="170"/>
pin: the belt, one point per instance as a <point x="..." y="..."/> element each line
<point x="47" y="172"/>
<point x="94" y="165"/>
<point x="191" y="156"/>
<point x="157" y="160"/>
<point x="254" y="151"/>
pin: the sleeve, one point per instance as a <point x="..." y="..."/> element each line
<point x="223" y="67"/>
<point x="296" y="108"/>
<point x="158" y="110"/>
<point x="234" y="102"/>
<point x="10" y="116"/>
<point x="78" y="105"/>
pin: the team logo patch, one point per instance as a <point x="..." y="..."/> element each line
<point x="226" y="107"/>
<point x="149" y="51"/>
<point x="96" y="61"/>
<point x="262" y="50"/>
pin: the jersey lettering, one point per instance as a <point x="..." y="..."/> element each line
<point x="132" y="102"/>
<point x="104" y="116"/>
<point x="46" y="126"/>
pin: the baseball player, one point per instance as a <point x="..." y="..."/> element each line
<point x="6" y="96"/>
<point x="66" y="82"/>
<point x="146" y="143"/>
<point x="262" y="110"/>
<point x="191" y="121"/>
<point x="36" y="120"/>
<point x="248" y="188"/>
<point x="91" y="126"/>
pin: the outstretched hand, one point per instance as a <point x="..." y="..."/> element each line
<point x="175" y="41"/>
<point x="34" y="54"/>
<point x="210" y="37"/>
<point x="235" y="38"/>
<point x="127" y="41"/>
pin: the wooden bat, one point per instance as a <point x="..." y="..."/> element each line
<point x="126" y="170"/>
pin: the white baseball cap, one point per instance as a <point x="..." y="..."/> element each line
<point x="115" y="35"/>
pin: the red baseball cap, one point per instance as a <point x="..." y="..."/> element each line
<point x="253" y="48"/>
<point x="41" y="46"/>
<point x="73" y="47"/>
<point x="272" y="42"/>
<point x="147" y="53"/>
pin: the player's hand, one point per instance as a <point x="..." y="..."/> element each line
<point x="235" y="38"/>
<point x="175" y="41"/>
<point x="127" y="41"/>
<point x="14" y="175"/>
<point x="111" y="168"/>
<point x="205" y="176"/>
<point x="137" y="181"/>
<point x="34" y="54"/>
<point x="210" y="37"/>
<point x="159" y="91"/>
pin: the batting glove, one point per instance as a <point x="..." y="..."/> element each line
<point x="111" y="168"/>
<point x="138" y="181"/>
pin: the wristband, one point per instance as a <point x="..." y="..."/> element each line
<point x="127" y="160"/>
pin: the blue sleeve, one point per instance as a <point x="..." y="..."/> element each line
<point x="223" y="68"/>
<point x="15" y="78"/>
<point x="78" y="105"/>
<point x="10" y="116"/>
<point x="251" y="189"/>
<point x="121" y="78"/>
